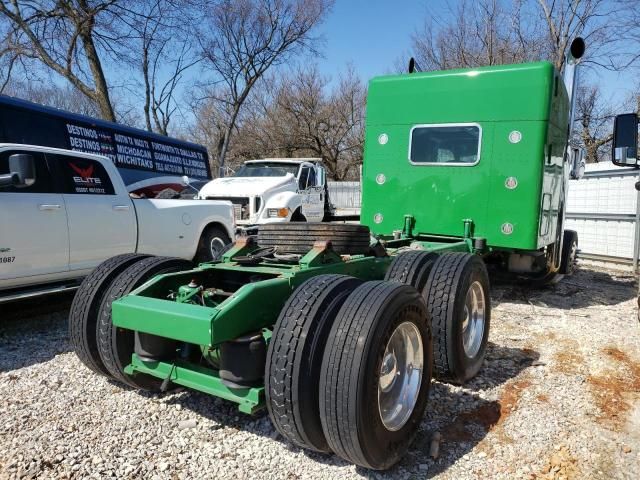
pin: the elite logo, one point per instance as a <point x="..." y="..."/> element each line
<point x="84" y="175"/>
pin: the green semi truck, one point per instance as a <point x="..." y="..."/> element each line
<point x="337" y="329"/>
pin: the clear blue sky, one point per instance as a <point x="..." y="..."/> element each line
<point x="371" y="34"/>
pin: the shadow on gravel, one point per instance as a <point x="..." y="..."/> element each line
<point x="584" y="288"/>
<point x="461" y="416"/>
<point x="502" y="364"/>
<point x="33" y="331"/>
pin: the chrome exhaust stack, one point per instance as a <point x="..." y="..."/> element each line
<point x="570" y="75"/>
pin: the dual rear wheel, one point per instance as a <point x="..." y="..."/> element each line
<point x="349" y="364"/>
<point x="349" y="367"/>
<point x="455" y="286"/>
<point x="100" y="345"/>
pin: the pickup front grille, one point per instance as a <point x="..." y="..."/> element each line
<point x="241" y="207"/>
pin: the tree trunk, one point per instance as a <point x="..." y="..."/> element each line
<point x="225" y="139"/>
<point x="101" y="88"/>
<point x="147" y="88"/>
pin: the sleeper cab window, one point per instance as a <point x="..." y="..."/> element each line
<point x="449" y="144"/>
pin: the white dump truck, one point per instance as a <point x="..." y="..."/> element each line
<point x="274" y="190"/>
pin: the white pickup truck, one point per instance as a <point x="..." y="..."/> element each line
<point x="273" y="190"/>
<point x="63" y="212"/>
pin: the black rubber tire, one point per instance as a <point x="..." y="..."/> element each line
<point x="351" y="364"/>
<point x="116" y="345"/>
<point x="210" y="234"/>
<point x="445" y="294"/>
<point x="294" y="358"/>
<point x="297" y="216"/>
<point x="83" y="315"/>
<point x="569" y="244"/>
<point x="411" y="268"/>
<point x="347" y="239"/>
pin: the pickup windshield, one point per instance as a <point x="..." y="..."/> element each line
<point x="267" y="169"/>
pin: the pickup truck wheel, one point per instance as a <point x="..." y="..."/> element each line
<point x="376" y="373"/>
<point x="459" y="305"/>
<point x="83" y="316"/>
<point x="347" y="239"/>
<point x="116" y="345"/>
<point x="294" y="358"/>
<point x="214" y="242"/>
<point x="411" y="268"/>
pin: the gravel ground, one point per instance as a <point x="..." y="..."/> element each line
<point x="558" y="397"/>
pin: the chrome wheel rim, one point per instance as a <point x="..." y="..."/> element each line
<point x="216" y="246"/>
<point x="400" y="376"/>
<point x="473" y="322"/>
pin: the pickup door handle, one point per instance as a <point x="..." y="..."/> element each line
<point x="120" y="207"/>
<point x="47" y="206"/>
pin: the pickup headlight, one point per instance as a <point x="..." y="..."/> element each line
<point x="277" y="212"/>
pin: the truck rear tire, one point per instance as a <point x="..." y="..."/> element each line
<point x="116" y="345"/>
<point x="83" y="316"/>
<point x="347" y="239"/>
<point x="569" y="252"/>
<point x="376" y="373"/>
<point x="411" y="268"/>
<point x="459" y="305"/>
<point x="294" y="358"/>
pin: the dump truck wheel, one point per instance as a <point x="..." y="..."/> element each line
<point x="116" y="345"/>
<point x="457" y="295"/>
<point x="83" y="316"/>
<point x="411" y="268"/>
<point x="294" y="358"/>
<point x="376" y="372"/>
<point x="569" y="252"/>
<point x="299" y="238"/>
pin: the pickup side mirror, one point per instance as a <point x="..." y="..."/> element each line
<point x="22" y="171"/>
<point x="625" y="140"/>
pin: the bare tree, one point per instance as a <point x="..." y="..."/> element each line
<point x="299" y="116"/>
<point x="210" y="124"/>
<point x="492" y="32"/>
<point x="163" y="52"/>
<point x="589" y="19"/>
<point x="65" y="97"/>
<point x="242" y="39"/>
<point x="70" y="38"/>
<point x="476" y="33"/>
<point x="628" y="28"/>
<point x="594" y="119"/>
